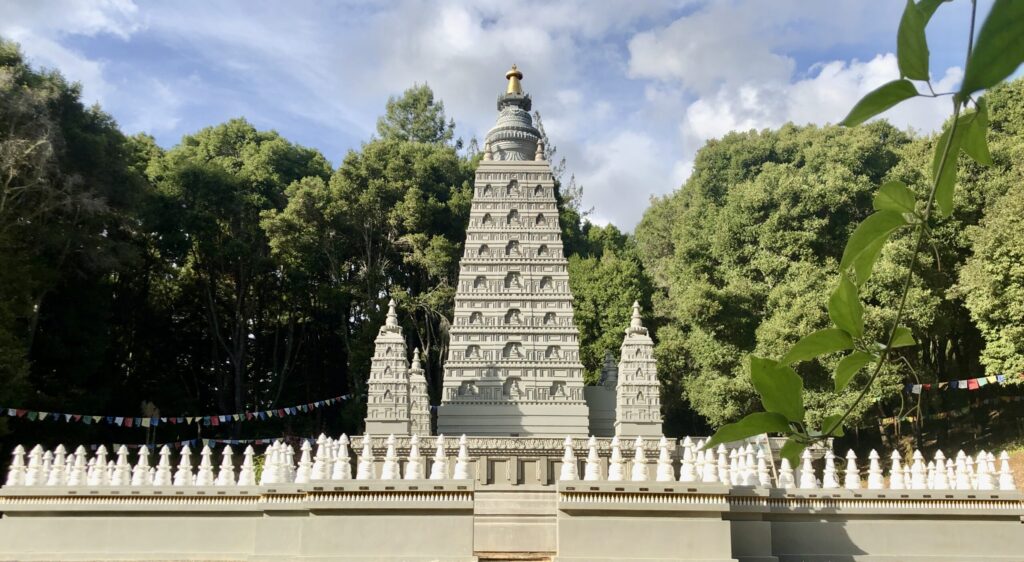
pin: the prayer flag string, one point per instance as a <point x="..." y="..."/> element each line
<point x="123" y="421"/>
<point x="962" y="384"/>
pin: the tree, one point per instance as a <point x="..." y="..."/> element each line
<point x="213" y="189"/>
<point x="416" y="117"/>
<point x="69" y="191"/>
<point x="406" y="204"/>
<point x="992" y="283"/>
<point x="744" y="253"/>
<point x="605" y="283"/>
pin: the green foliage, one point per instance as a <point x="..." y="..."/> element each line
<point x="780" y="387"/>
<point x="998" y="50"/>
<point x="911" y="44"/>
<point x="894" y="196"/>
<point x="746" y="253"/>
<point x="753" y="424"/>
<point x="878" y="100"/>
<point x="992" y="282"/>
<point x="845" y="309"/>
<point x="416" y="117"/>
<point x="605" y="283"/>
<point x="848" y="366"/>
<point x="822" y="342"/>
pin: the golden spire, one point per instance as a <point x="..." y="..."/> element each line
<point x="514" y="76"/>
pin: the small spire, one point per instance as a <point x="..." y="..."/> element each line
<point x="416" y="359"/>
<point x="392" y="321"/>
<point x="636" y="324"/>
<point x="514" y="76"/>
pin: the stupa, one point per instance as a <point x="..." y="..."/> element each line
<point x="513" y="364"/>
<point x="513" y="367"/>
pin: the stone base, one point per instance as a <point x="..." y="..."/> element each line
<point x="387" y="427"/>
<point x="547" y="419"/>
<point x="635" y="429"/>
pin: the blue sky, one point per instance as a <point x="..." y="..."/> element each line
<point x="628" y="90"/>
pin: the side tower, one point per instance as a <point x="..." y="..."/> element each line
<point x="387" y="400"/>
<point x="419" y="401"/>
<point x="638" y="398"/>
<point x="513" y="362"/>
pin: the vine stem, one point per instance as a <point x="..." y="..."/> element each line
<point x="918" y="244"/>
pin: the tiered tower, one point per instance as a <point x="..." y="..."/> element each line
<point x="419" y="401"/>
<point x="513" y="362"/>
<point x="387" y="402"/>
<point x="638" y="400"/>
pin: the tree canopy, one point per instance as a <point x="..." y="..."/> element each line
<point x="745" y="254"/>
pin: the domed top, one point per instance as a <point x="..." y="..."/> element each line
<point x="513" y="136"/>
<point x="514" y="76"/>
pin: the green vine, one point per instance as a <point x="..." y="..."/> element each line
<point x="996" y="54"/>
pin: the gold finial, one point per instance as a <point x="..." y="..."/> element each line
<point x="514" y="76"/>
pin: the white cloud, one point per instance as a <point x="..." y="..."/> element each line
<point x="620" y="173"/>
<point x="629" y="90"/>
<point x="825" y="97"/>
<point x="703" y="51"/>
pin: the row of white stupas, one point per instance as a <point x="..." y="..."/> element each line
<point x="739" y="466"/>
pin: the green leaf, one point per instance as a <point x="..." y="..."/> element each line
<point x="754" y="424"/>
<point x="902" y="337"/>
<point x="911" y="44"/>
<point x="864" y="263"/>
<point x="945" y="178"/>
<point x="879" y="100"/>
<point x="875" y="230"/>
<point x="999" y="49"/>
<point x="848" y="366"/>
<point x="791" y="451"/>
<point x="822" y="342"/>
<point x="895" y="196"/>
<point x="928" y="8"/>
<point x="829" y="421"/>
<point x="844" y="308"/>
<point x="781" y="389"/>
<point x="974" y="142"/>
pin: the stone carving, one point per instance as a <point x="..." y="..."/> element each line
<point x="390" y="470"/>
<point x="247" y="475"/>
<point x="414" y="468"/>
<point x="439" y="468"/>
<point x="592" y="471"/>
<point x="226" y="471"/>
<point x="419" y="399"/>
<point x="462" y="461"/>
<point x="513" y="334"/>
<point x="639" y="472"/>
<point x="638" y="400"/>
<point x="366" y="469"/>
<point x="342" y="469"/>
<point x="738" y="466"/>
<point x="569" y="471"/>
<point x="388" y="389"/>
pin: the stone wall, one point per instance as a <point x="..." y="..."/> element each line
<point x="455" y="520"/>
<point x="510" y="499"/>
